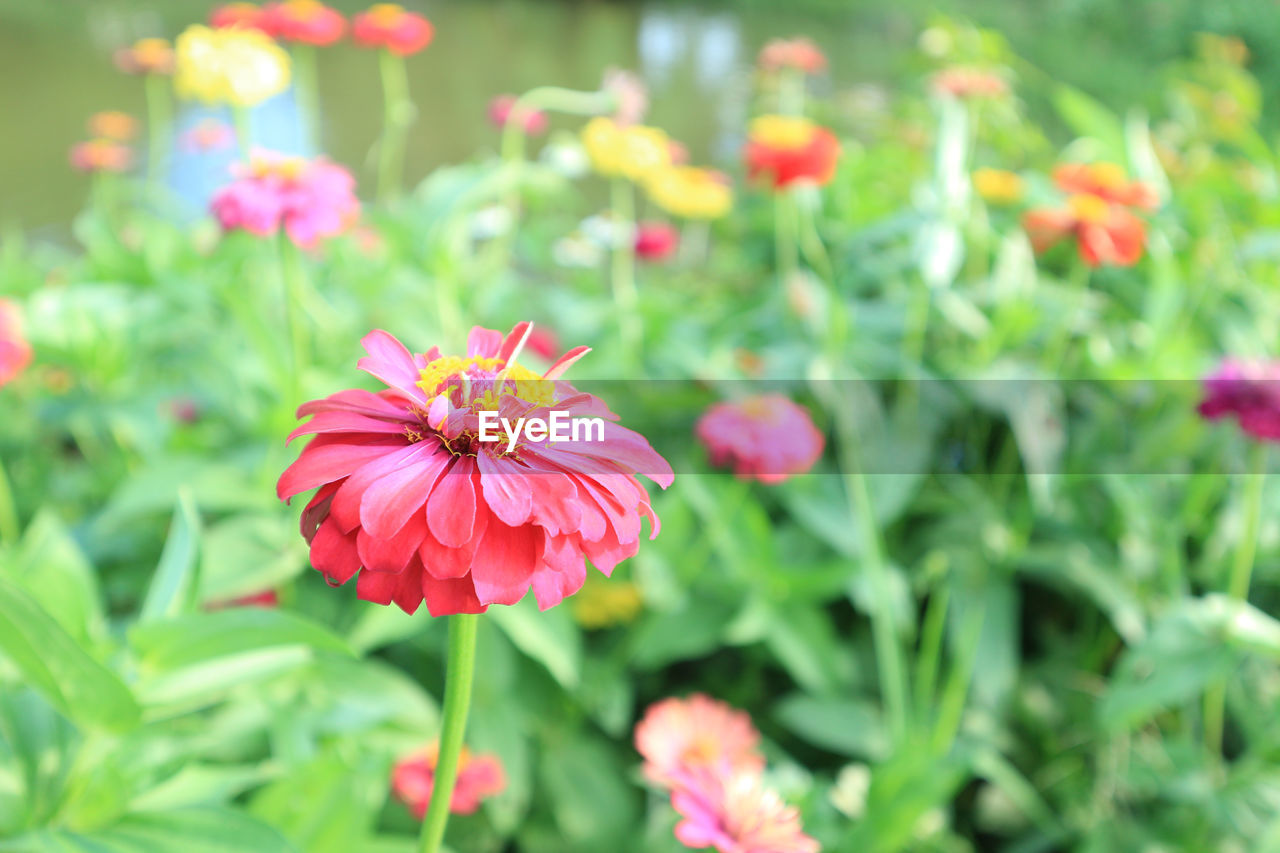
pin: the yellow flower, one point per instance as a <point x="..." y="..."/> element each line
<point x="630" y="151"/>
<point x="998" y="186"/>
<point x="603" y="604"/>
<point x="236" y="66"/>
<point x="690" y="192"/>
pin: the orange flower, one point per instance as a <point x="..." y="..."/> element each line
<point x="800" y="54"/>
<point x="101" y="155"/>
<point x="113" y="125"/>
<point x="969" y="83"/>
<point x="146" y="56"/>
<point x="788" y="149"/>
<point x="678" y="736"/>
<point x="389" y="26"/>
<point x="1106" y="234"/>
<point x="1107" y="181"/>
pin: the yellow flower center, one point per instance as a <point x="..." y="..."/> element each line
<point x="1089" y="208"/>
<point x="385" y="14"/>
<point x="786" y="132"/>
<point x="1107" y="175"/>
<point x="285" y="168"/>
<point x="516" y="379"/>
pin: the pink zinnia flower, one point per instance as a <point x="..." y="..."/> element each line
<point x="1249" y="390"/>
<point x="304" y="22"/>
<point x="15" y="352"/>
<point x="677" y="736"/>
<point x="389" y="26"/>
<point x="656" y="241"/>
<point x="311" y="199"/>
<point x="768" y="437"/>
<point x="479" y="778"/>
<point x="960" y="82"/>
<point x="630" y="95"/>
<point x="533" y="122"/>
<point x="734" y="813"/>
<point x="414" y="500"/>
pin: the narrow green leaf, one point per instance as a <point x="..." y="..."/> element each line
<point x="173" y="589"/>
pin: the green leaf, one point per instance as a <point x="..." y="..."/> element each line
<point x="550" y="637"/>
<point x="53" y="570"/>
<point x="327" y="805"/>
<point x="852" y="727"/>
<point x="61" y="670"/>
<point x="1088" y="117"/>
<point x="173" y="589"/>
<point x="200" y="637"/>
<point x="192" y="830"/>
<point x="249" y="553"/>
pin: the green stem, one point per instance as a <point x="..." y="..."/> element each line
<point x="784" y="234"/>
<point x="791" y="92"/>
<point x="457" y="701"/>
<point x="397" y="116"/>
<point x="951" y="703"/>
<point x="308" y="96"/>
<point x="1215" y="699"/>
<point x="159" y="118"/>
<point x="935" y="621"/>
<point x="1059" y="348"/>
<point x="293" y="279"/>
<point x="625" y="295"/>
<point x="9" y="528"/>
<point x="244" y="130"/>
<point x="884" y="637"/>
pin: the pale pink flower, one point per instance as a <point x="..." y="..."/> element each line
<point x="735" y="813"/>
<point x="768" y="438"/>
<point x="208" y="135"/>
<point x="679" y="735"/>
<point x="479" y="778"/>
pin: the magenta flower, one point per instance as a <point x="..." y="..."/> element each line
<point x="656" y="241"/>
<point x="532" y="122"/>
<point x="479" y="778"/>
<point x="15" y="352"/>
<point x="678" y="736"/>
<point x="422" y="500"/>
<point x="311" y="200"/>
<point x="734" y="813"/>
<point x="1249" y="390"/>
<point x="767" y="438"/>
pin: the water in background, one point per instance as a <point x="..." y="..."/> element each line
<point x="55" y="61"/>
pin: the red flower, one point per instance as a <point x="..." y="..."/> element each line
<point x="799" y="54"/>
<point x="304" y="22"/>
<point x="1249" y="390"/>
<point x="766" y="438"/>
<point x="656" y="241"/>
<point x="533" y="122"/>
<point x="479" y="778"/>
<point x="785" y="150"/>
<point x="1105" y="234"/>
<point x="15" y="352"/>
<point x="421" y="500"/>
<point x="1106" y="181"/>
<point x="388" y="26"/>
<point x="249" y="15"/>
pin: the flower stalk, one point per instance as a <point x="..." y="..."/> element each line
<point x="244" y="130"/>
<point x="623" y="277"/>
<point x="293" y="280"/>
<point x="308" y="96"/>
<point x="9" y="528"/>
<point x="159" y="118"/>
<point x="1215" y="699"/>
<point x="397" y="116"/>
<point x="457" y="703"/>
